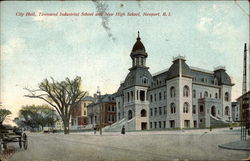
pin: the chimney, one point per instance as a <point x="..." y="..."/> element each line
<point x="244" y="86"/>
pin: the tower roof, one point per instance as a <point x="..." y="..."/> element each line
<point x="138" y="48"/>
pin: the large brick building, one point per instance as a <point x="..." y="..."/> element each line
<point x="79" y="114"/>
<point x="107" y="106"/>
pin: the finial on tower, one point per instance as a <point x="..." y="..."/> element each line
<point x="138" y="38"/>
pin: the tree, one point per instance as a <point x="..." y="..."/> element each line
<point x="36" y="116"/>
<point x="3" y="114"/>
<point x="63" y="96"/>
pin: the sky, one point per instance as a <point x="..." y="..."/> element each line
<point x="97" y="48"/>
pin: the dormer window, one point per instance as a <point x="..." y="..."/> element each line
<point x="144" y="80"/>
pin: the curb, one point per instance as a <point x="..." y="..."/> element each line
<point x="233" y="148"/>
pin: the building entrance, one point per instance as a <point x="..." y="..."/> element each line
<point x="143" y="126"/>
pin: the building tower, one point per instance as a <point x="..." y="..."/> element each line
<point x="135" y="88"/>
<point x="244" y="85"/>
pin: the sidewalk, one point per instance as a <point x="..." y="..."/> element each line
<point x="237" y="145"/>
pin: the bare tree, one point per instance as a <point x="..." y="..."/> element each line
<point x="63" y="96"/>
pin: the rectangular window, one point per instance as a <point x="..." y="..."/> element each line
<point x="201" y="108"/>
<point x="194" y="109"/>
<point x="195" y="123"/>
<point x="155" y="97"/>
<point x="151" y="125"/>
<point x="160" y="110"/>
<point x="165" y="95"/>
<point x="151" y="98"/>
<point x="155" y="124"/>
<point x="151" y="112"/>
<point x="155" y="111"/>
<point x="160" y="96"/>
<point x="172" y="124"/>
<point x="159" y="124"/>
<point x="164" y="124"/>
<point x="165" y="110"/>
<point x="200" y="95"/>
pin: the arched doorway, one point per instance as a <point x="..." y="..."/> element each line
<point x="213" y="111"/>
<point x="130" y="115"/>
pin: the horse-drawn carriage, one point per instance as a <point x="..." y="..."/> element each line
<point x="12" y="135"/>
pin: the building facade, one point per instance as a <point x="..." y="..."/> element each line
<point x="244" y="102"/>
<point x="107" y="107"/>
<point x="178" y="97"/>
<point x="235" y="111"/>
<point x="79" y="115"/>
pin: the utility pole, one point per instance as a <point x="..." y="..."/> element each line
<point x="100" y="101"/>
<point x="244" y="86"/>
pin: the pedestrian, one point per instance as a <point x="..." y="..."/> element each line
<point x="94" y="129"/>
<point x="123" y="130"/>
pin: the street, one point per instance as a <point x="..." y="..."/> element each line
<point x="155" y="145"/>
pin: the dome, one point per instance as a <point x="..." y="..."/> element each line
<point x="138" y="48"/>
<point x="138" y="45"/>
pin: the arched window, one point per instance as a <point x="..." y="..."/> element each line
<point x="172" y="92"/>
<point x="172" y="106"/>
<point x="213" y="111"/>
<point x="185" y="91"/>
<point x="185" y="107"/>
<point x="227" y="111"/>
<point x="145" y="80"/>
<point x="128" y="96"/>
<point x="143" y="113"/>
<point x="227" y="96"/>
<point x="130" y="115"/>
<point x="205" y="94"/>
<point x="194" y="93"/>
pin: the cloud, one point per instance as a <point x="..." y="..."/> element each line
<point x="13" y="46"/>
<point x="204" y="24"/>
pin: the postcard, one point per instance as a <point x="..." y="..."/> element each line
<point x="124" y="80"/>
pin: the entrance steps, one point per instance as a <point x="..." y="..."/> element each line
<point x="218" y="121"/>
<point x="129" y="125"/>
